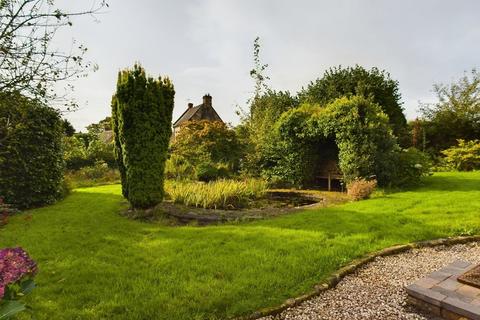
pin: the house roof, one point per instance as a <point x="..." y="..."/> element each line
<point x="187" y="115"/>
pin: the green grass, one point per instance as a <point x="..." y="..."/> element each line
<point x="95" y="264"/>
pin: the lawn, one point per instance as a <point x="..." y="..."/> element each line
<point x="95" y="264"/>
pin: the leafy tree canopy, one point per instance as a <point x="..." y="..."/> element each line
<point x="339" y="82"/>
<point x="456" y="114"/>
<point x="211" y="141"/>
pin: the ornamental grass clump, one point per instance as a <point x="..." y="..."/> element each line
<point x="360" y="189"/>
<point x="220" y="194"/>
<point x="17" y="270"/>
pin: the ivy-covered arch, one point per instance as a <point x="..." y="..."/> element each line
<point x="356" y="125"/>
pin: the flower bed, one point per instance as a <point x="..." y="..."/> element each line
<point x="17" y="270"/>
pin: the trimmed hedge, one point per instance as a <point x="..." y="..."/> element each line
<point x="141" y="118"/>
<point x="31" y="157"/>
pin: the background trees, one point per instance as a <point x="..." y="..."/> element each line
<point x="141" y="115"/>
<point x="29" y="64"/>
<point x="456" y="115"/>
<point x="31" y="158"/>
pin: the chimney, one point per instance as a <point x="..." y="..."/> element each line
<point x="190" y="105"/>
<point x="207" y="100"/>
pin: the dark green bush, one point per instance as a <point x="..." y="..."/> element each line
<point x="206" y="171"/>
<point x="410" y="166"/>
<point x="142" y="116"/>
<point x="31" y="157"/>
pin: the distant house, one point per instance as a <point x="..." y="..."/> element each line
<point x="204" y="111"/>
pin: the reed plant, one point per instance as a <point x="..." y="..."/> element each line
<point x="219" y="194"/>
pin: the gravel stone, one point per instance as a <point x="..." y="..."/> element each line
<point x="377" y="290"/>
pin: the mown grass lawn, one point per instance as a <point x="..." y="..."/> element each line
<point x="95" y="264"/>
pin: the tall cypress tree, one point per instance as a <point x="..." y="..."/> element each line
<point x="141" y="119"/>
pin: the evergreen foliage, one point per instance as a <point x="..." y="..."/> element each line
<point x="31" y="156"/>
<point x="339" y="82"/>
<point x="141" y="118"/>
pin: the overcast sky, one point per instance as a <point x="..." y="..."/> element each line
<point x="205" y="46"/>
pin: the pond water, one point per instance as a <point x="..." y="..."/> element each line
<point x="290" y="199"/>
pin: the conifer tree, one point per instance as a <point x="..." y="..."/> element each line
<point x="141" y="118"/>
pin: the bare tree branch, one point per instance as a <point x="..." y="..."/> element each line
<point x="28" y="64"/>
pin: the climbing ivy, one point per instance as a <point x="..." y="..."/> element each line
<point x="356" y="126"/>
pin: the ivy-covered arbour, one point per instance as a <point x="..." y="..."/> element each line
<point x="355" y="129"/>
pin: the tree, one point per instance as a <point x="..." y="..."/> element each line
<point x="456" y="115"/>
<point x="29" y="64"/>
<point x="258" y="71"/>
<point x="339" y="82"/>
<point x="265" y="110"/>
<point x="68" y="129"/>
<point x="31" y="157"/>
<point x="100" y="127"/>
<point x="207" y="144"/>
<point x="141" y="116"/>
<point x="265" y="107"/>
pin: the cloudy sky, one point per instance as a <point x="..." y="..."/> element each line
<point x="205" y="46"/>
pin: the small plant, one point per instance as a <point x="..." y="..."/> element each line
<point x="360" y="189"/>
<point x="17" y="270"/>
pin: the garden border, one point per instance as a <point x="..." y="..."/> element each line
<point x="350" y="268"/>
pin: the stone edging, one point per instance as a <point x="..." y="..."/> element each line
<point x="335" y="278"/>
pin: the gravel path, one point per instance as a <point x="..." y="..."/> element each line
<point x="376" y="291"/>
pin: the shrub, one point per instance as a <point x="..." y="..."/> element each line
<point x="465" y="156"/>
<point x="177" y="167"/>
<point x="361" y="188"/>
<point x="410" y="166"/>
<point x="17" y="270"/>
<point x="31" y="156"/>
<point x="220" y="194"/>
<point x="141" y="116"/>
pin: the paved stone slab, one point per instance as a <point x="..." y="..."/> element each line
<point x="441" y="294"/>
<point x="462" y="308"/>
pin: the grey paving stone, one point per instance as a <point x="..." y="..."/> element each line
<point x="461" y="264"/>
<point x="427" y="295"/>
<point x="462" y="308"/>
